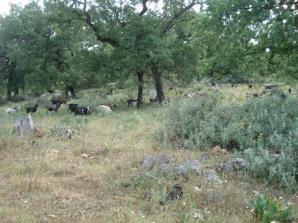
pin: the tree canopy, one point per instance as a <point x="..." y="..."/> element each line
<point x="91" y="43"/>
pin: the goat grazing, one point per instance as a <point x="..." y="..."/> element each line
<point x="10" y="110"/>
<point x="105" y="108"/>
<point x="56" y="101"/>
<point x="72" y="107"/>
<point x="53" y="107"/>
<point x="82" y="110"/>
<point x="132" y="103"/>
<point x="32" y="109"/>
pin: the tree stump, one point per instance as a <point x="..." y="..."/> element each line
<point x="24" y="126"/>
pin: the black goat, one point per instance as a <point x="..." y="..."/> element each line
<point x="53" y="107"/>
<point x="290" y="90"/>
<point x="72" y="107"/>
<point x="132" y="103"/>
<point x="81" y="110"/>
<point x="32" y="109"/>
<point x="58" y="101"/>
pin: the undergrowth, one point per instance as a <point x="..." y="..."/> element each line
<point x="263" y="129"/>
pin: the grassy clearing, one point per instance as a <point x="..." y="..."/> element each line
<point x="87" y="178"/>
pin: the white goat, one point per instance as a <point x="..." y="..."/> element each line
<point x="10" y="110"/>
<point x="104" y="108"/>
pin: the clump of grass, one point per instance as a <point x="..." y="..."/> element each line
<point x="267" y="210"/>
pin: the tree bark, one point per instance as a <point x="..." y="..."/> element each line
<point x="12" y="81"/>
<point x="140" y="88"/>
<point x="9" y="86"/>
<point x="69" y="88"/>
<point x="8" y="92"/>
<point x="158" y="83"/>
<point x="16" y="91"/>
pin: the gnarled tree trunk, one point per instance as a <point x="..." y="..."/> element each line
<point x="158" y="83"/>
<point x="140" y="88"/>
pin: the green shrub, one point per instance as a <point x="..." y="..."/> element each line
<point x="267" y="210"/>
<point x="280" y="168"/>
<point x="264" y="129"/>
<point x="184" y="119"/>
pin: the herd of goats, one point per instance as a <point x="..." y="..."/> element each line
<point x="54" y="107"/>
<point x="77" y="109"/>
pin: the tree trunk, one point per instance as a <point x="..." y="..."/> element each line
<point x="16" y="91"/>
<point x="69" y="88"/>
<point x="12" y="81"/>
<point x="140" y="88"/>
<point x="158" y="84"/>
<point x="8" y="92"/>
<point x="9" y="87"/>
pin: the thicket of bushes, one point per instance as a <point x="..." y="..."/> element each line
<point x="264" y="130"/>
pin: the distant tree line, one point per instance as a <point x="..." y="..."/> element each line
<point x="88" y="44"/>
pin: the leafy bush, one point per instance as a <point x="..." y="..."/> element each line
<point x="267" y="210"/>
<point x="184" y="119"/>
<point x="264" y="129"/>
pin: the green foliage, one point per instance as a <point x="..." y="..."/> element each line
<point x="267" y="210"/>
<point x="280" y="168"/>
<point x="264" y="129"/>
<point x="65" y="42"/>
<point x="184" y="119"/>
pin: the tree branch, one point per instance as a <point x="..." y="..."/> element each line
<point x="86" y="17"/>
<point x="99" y="37"/>
<point x="171" y="23"/>
<point x="145" y="9"/>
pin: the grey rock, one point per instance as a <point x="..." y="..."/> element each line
<point x="193" y="165"/>
<point x="213" y="196"/>
<point x="148" y="162"/>
<point x="182" y="170"/>
<point x="164" y="159"/>
<point x="233" y="164"/>
<point x="188" y="167"/>
<point x="211" y="176"/>
<point x="24" y="126"/>
<point x="165" y="169"/>
<point x="204" y="157"/>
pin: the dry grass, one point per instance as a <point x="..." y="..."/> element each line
<point x="86" y="179"/>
